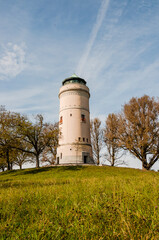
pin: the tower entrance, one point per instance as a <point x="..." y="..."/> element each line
<point x="85" y="159"/>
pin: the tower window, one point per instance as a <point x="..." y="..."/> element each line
<point x="79" y="139"/>
<point x="83" y="118"/>
<point x="83" y="139"/>
<point x="61" y="120"/>
<point x="87" y="139"/>
<point x="61" y="155"/>
<point x="70" y="114"/>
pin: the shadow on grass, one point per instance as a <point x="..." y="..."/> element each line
<point x="71" y="168"/>
<point x="26" y="171"/>
<point x="9" y="172"/>
<point x="57" y="168"/>
<point x="42" y="169"/>
<point x="37" y="170"/>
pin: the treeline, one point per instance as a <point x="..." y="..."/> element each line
<point x="135" y="129"/>
<point x="22" y="140"/>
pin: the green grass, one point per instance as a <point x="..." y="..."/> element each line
<point x="79" y="202"/>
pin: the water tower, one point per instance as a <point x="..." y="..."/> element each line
<point x="74" y="122"/>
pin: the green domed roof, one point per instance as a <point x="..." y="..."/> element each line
<point x="74" y="75"/>
<point x="74" y="79"/>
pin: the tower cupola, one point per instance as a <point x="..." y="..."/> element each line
<point x="74" y="79"/>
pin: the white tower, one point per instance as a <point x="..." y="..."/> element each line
<point x="74" y="122"/>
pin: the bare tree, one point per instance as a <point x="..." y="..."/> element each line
<point x="139" y="129"/>
<point x="96" y="139"/>
<point x="111" y="139"/>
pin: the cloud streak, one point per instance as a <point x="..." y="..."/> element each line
<point x="12" y="61"/>
<point x="100" y="17"/>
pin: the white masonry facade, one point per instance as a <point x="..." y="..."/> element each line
<point x="74" y="123"/>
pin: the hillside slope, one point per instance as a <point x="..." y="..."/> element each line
<point x="79" y="202"/>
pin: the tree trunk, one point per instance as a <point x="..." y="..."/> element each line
<point x="98" y="159"/>
<point x="20" y="165"/>
<point x="37" y="161"/>
<point x="145" y="166"/>
<point x="113" y="157"/>
<point x="8" y="163"/>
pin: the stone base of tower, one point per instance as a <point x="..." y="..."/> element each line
<point x="76" y="157"/>
<point x="74" y="160"/>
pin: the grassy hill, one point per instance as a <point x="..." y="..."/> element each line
<point x="79" y="202"/>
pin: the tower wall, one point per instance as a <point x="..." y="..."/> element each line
<point x="74" y="123"/>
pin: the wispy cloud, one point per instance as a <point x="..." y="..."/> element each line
<point x="32" y="100"/>
<point x="124" y="60"/>
<point x="119" y="60"/>
<point x="19" y="97"/>
<point x="12" y="60"/>
<point x="100" y="17"/>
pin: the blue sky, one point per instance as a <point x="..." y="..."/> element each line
<point x="112" y="44"/>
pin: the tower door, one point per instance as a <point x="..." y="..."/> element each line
<point x="85" y="159"/>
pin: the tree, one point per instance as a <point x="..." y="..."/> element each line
<point x="9" y="138"/>
<point x="111" y="140"/>
<point x="49" y="154"/>
<point x="18" y="134"/>
<point x="96" y="139"/>
<point x="37" y="136"/>
<point x="2" y="160"/>
<point x="21" y="158"/>
<point x="139" y="129"/>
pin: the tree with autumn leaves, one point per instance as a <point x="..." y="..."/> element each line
<point x="135" y="129"/>
<point x="139" y="130"/>
<point x="111" y="139"/>
<point x="38" y="136"/>
<point x="22" y="140"/>
<point x="9" y="139"/>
